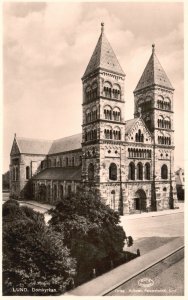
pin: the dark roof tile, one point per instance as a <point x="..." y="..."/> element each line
<point x="103" y="57"/>
<point x="153" y="74"/>
<point x="68" y="143"/>
<point x="67" y="173"/>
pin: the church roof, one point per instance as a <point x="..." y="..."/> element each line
<point x="33" y="146"/>
<point x="57" y="173"/>
<point x="45" y="147"/>
<point x="129" y="124"/>
<point x="153" y="74"/>
<point x="68" y="143"/>
<point x="103" y="57"/>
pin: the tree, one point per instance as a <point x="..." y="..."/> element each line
<point x="90" y="230"/>
<point x="6" y="178"/>
<point x="34" y="256"/>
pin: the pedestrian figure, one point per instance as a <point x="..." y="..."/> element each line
<point x="138" y="252"/>
<point x="94" y="273"/>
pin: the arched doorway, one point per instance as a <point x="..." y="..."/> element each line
<point x="140" y="201"/>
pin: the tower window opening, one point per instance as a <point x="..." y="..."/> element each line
<point x="27" y="172"/>
<point x="139" y="171"/>
<point x="164" y="172"/>
<point x="147" y="171"/>
<point x="91" y="172"/>
<point x="113" y="171"/>
<point x="139" y="137"/>
<point x="132" y="171"/>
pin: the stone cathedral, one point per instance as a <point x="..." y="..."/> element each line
<point x="128" y="164"/>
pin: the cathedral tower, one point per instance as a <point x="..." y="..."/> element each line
<point x="153" y="98"/>
<point x="103" y="123"/>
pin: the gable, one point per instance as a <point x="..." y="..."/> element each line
<point x="138" y="127"/>
<point x="15" y="149"/>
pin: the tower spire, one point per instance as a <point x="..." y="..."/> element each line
<point x="103" y="57"/>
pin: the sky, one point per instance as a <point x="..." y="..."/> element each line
<point x="46" y="49"/>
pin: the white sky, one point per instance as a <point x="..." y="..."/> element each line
<point x="47" y="47"/>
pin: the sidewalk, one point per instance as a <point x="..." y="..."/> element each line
<point x="111" y="280"/>
<point x="156" y="213"/>
<point x="133" y="216"/>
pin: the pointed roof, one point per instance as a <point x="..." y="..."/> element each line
<point x="153" y="74"/>
<point x="103" y="57"/>
<point x="129" y="124"/>
<point x="33" y="146"/>
<point x="46" y="147"/>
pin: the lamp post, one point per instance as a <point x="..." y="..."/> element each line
<point x="154" y="176"/>
<point x="171" y="199"/>
<point x="120" y="196"/>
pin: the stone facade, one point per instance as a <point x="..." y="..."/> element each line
<point x="128" y="164"/>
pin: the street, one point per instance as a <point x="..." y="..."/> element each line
<point x="152" y="232"/>
<point x="171" y="225"/>
<point x="165" y="279"/>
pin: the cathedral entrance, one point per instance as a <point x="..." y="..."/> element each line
<point x="140" y="201"/>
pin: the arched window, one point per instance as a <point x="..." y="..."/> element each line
<point x="108" y="112"/>
<point x="113" y="171"/>
<point x="160" y="122"/>
<point x="88" y="116"/>
<point x="167" y="104"/>
<point x="27" y="172"/>
<point x="147" y="104"/>
<point x="132" y="171"/>
<point x="117" y="133"/>
<point x="94" y="91"/>
<point x="91" y="172"/>
<point x="139" y="137"/>
<point x="55" y="192"/>
<point x="107" y="89"/>
<point x="108" y="133"/>
<point x="88" y="93"/>
<point x="147" y="171"/>
<point x="116" y="91"/>
<point x="139" y="171"/>
<point x="116" y="114"/>
<point x="164" y="172"/>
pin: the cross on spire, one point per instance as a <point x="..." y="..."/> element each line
<point x="102" y="27"/>
<point x="153" y="48"/>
